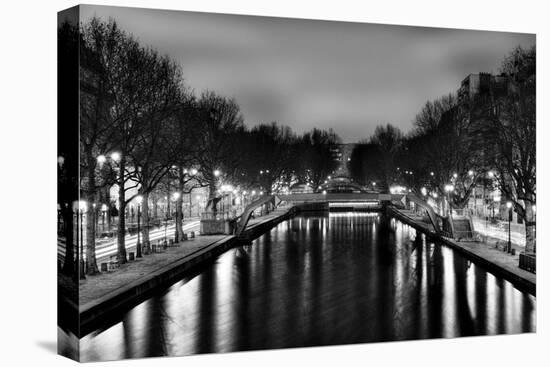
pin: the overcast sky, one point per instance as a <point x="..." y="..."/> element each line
<point x="309" y="73"/>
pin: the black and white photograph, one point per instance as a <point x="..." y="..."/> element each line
<point x="233" y="183"/>
<point x="274" y="183"/>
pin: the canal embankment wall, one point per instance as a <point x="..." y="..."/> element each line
<point x="100" y="311"/>
<point x="495" y="261"/>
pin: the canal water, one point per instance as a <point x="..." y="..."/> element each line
<point x="317" y="280"/>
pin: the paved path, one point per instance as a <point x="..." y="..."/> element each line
<point x="101" y="286"/>
<point x="489" y="253"/>
<point x="107" y="248"/>
<point x="97" y="286"/>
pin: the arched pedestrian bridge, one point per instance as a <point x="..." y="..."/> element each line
<point x="319" y="201"/>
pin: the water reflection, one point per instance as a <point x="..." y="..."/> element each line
<point x="319" y="280"/>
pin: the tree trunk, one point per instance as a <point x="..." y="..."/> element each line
<point x="121" y="230"/>
<point x="530" y="235"/>
<point x="145" y="221"/>
<point x="179" y="208"/>
<point x="91" y="262"/>
<point x="155" y="207"/>
<point x="179" y="219"/>
<point x="69" y="265"/>
<point x="212" y="195"/>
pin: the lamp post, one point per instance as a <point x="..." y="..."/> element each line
<point x="139" y="199"/>
<point x="179" y="214"/>
<point x="82" y="206"/>
<point x="103" y="213"/>
<point x="94" y="218"/>
<point x="509" y="206"/>
<point x="192" y="172"/>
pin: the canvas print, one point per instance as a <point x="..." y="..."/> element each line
<point x="233" y="183"/>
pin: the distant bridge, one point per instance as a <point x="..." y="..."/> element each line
<point x="340" y="197"/>
<point x="335" y="200"/>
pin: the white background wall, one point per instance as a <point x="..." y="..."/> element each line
<point x="28" y="123"/>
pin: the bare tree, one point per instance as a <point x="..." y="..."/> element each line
<point x="221" y="125"/>
<point x="429" y="117"/>
<point x="388" y="140"/>
<point x="510" y="121"/>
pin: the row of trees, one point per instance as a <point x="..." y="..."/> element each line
<point x="463" y="142"/>
<point x="145" y="132"/>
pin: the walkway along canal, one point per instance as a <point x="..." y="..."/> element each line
<point x="319" y="279"/>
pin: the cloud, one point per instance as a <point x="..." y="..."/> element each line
<point x="307" y="73"/>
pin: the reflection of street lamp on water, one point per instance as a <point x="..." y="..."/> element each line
<point x="139" y="199"/>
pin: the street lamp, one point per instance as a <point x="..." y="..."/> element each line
<point x="193" y="171"/>
<point x="509" y="206"/>
<point x="103" y="212"/>
<point x="139" y="199"/>
<point x="115" y="156"/>
<point x="101" y="159"/>
<point x="217" y="173"/>
<point x="94" y="218"/>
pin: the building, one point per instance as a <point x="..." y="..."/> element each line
<point x="485" y="203"/>
<point x="481" y="85"/>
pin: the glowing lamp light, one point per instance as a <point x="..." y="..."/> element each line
<point x="324" y="192"/>
<point x="261" y="192"/>
<point x="115" y="156"/>
<point x="193" y="171"/>
<point x="103" y="208"/>
<point x="101" y="159"/>
<point x="449" y="188"/>
<point x="509" y="204"/>
<point x="455" y="175"/>
<point x="217" y="173"/>
<point x="82" y="206"/>
<point x="491" y="174"/>
<point x="176" y="195"/>
<point x="424" y="191"/>
<point x="253" y="192"/>
<point x="431" y="173"/>
<point x="470" y="173"/>
<point x="139" y="199"/>
<point x="534" y="207"/>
